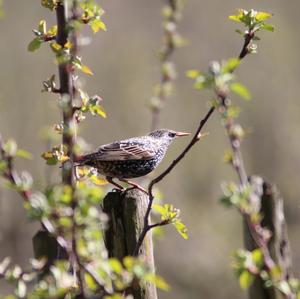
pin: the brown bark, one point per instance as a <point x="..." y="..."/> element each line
<point x="126" y="211"/>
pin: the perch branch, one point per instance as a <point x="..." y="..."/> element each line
<point x="193" y="141"/>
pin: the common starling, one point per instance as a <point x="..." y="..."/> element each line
<point x="130" y="158"/>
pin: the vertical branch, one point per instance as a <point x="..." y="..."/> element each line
<point x="171" y="40"/>
<point x="66" y="91"/>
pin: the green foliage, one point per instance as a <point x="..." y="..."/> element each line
<point x="169" y="214"/>
<point x="246" y="265"/>
<point x="91" y="15"/>
<point x="56" y="155"/>
<point x="50" y="4"/>
<point x="42" y="35"/>
<point x="91" y="104"/>
<point x="220" y="78"/>
<point x="236" y="196"/>
<point x="253" y="20"/>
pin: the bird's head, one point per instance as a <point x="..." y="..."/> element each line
<point x="166" y="135"/>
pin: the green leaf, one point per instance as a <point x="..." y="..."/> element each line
<point x="10" y="147"/>
<point x="91" y="284"/>
<point x="115" y="265"/>
<point x="21" y="289"/>
<point x="159" y="209"/>
<point x="23" y="154"/>
<point x="42" y="27"/>
<point x="34" y="44"/>
<point x="4" y="265"/>
<point x="240" y="90"/>
<point x="230" y="65"/>
<point x="262" y="16"/>
<point x="85" y="69"/>
<point x="234" y="18"/>
<point x="97" y="25"/>
<point x="192" y="74"/>
<point x="268" y="27"/>
<point x="257" y="257"/>
<point x="98" y="109"/>
<point x="245" y="279"/>
<point x="284" y="287"/>
<point x="158" y="281"/>
<point x="50" y="4"/>
<point x="181" y="229"/>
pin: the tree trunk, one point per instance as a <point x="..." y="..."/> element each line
<point x="126" y="211"/>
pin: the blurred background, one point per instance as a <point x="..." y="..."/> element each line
<point x="124" y="61"/>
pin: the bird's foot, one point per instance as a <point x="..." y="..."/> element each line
<point x="134" y="186"/>
<point x="118" y="188"/>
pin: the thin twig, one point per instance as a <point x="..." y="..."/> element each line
<point x="156" y="180"/>
<point x="166" y="52"/>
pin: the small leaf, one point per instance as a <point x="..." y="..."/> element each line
<point x="21" y="289"/>
<point x="42" y="26"/>
<point x="158" y="281"/>
<point x="268" y="27"/>
<point x="97" y="109"/>
<point x="115" y="265"/>
<point x="55" y="47"/>
<point x="234" y="18"/>
<point x="192" y="74"/>
<point x="52" y="31"/>
<point x="23" y="154"/>
<point x="4" y="265"/>
<point x="262" y="16"/>
<point x="98" y="180"/>
<point x="181" y="228"/>
<point x="230" y="65"/>
<point x="159" y="209"/>
<point x="240" y="90"/>
<point x="257" y="257"/>
<point x="10" y="147"/>
<point x="91" y="284"/>
<point x="284" y="287"/>
<point x="245" y="279"/>
<point x="85" y="69"/>
<point x="34" y="44"/>
<point x="97" y="24"/>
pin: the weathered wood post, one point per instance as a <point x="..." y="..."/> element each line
<point x="270" y="204"/>
<point x="126" y="211"/>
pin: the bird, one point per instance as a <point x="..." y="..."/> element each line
<point x="130" y="158"/>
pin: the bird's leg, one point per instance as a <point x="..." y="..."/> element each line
<point x="110" y="180"/>
<point x="134" y="185"/>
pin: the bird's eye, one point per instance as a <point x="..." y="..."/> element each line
<point x="172" y="135"/>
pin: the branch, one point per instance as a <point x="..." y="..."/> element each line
<point x="67" y="94"/>
<point x="156" y="180"/>
<point x="168" y="73"/>
<point x="67" y="89"/>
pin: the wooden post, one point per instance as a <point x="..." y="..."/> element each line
<point x="126" y="211"/>
<point x="268" y="201"/>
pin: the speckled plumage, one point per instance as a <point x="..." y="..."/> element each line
<point x="131" y="158"/>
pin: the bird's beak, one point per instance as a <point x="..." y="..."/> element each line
<point x="179" y="134"/>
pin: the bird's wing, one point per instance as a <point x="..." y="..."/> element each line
<point x="131" y="150"/>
